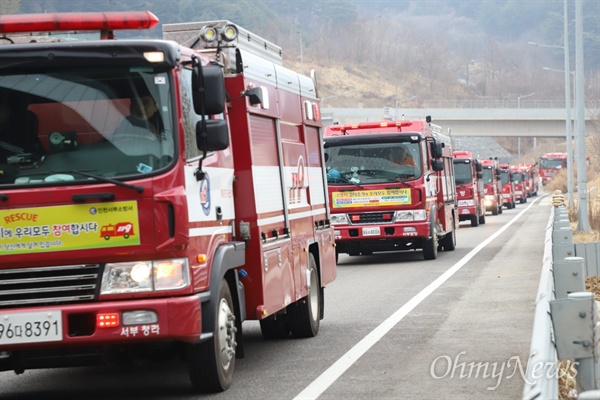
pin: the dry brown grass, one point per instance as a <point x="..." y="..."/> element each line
<point x="567" y="381"/>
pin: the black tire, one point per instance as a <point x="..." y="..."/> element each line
<point x="211" y="363"/>
<point x="495" y="210"/>
<point x="449" y="241"/>
<point x="275" y="327"/>
<point x="304" y="316"/>
<point x="337" y="256"/>
<point x="521" y="201"/>
<point x="474" y="220"/>
<point x="500" y="209"/>
<point x="430" y="247"/>
<point x="482" y="219"/>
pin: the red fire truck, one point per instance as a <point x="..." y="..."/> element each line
<point x="518" y="180"/>
<point x="492" y="186"/>
<point x="220" y="176"/>
<point x="531" y="179"/>
<point x="469" y="188"/>
<point x="550" y="164"/>
<point x="391" y="187"/>
<point x="508" y="189"/>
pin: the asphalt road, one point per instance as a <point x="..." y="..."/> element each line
<point x="395" y="327"/>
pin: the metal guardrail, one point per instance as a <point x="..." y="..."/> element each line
<point x="566" y="318"/>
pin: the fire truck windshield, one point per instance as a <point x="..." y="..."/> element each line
<point x="488" y="176"/>
<point x="463" y="172"/>
<point x="551" y="163"/>
<point x="112" y="122"/>
<point x="373" y="163"/>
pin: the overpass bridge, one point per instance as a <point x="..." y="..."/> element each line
<point x="463" y="118"/>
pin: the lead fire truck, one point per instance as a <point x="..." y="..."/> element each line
<point x="469" y="188"/>
<point x="492" y="186"/>
<point x="550" y="165"/>
<point x="382" y="201"/>
<point x="119" y="241"/>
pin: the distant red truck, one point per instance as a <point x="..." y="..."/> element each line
<point x="508" y="187"/>
<point x="469" y="188"/>
<point x="492" y="186"/>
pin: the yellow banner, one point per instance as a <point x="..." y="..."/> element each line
<point x="371" y="198"/>
<point x="72" y="227"/>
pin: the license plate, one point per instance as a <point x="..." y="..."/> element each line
<point x="31" y="327"/>
<point x="375" y="231"/>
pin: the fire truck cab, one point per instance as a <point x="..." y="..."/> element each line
<point x="492" y="186"/>
<point x="212" y="157"/>
<point x="469" y="188"/>
<point x="391" y="187"/>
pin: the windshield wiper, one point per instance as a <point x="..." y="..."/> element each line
<point x="138" y="189"/>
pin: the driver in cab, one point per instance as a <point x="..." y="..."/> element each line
<point x="142" y="132"/>
<point x="400" y="156"/>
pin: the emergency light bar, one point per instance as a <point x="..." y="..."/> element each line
<point x="370" y="125"/>
<point x="84" y="21"/>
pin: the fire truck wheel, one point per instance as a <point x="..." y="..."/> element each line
<point x="430" y="247"/>
<point x="474" y="220"/>
<point x="212" y="362"/>
<point x="495" y="210"/>
<point x="482" y="219"/>
<point x="500" y="209"/>
<point x="275" y="328"/>
<point x="305" y="315"/>
<point x="449" y="241"/>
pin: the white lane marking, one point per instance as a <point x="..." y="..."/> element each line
<point x="327" y="378"/>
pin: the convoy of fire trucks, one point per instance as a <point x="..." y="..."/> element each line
<point x="162" y="231"/>
<point x="224" y="200"/>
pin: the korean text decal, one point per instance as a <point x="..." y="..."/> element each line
<point x="72" y="227"/>
<point x="371" y="198"/>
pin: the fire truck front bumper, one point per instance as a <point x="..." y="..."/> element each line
<point x="101" y="324"/>
<point x="369" y="238"/>
<point x="466" y="209"/>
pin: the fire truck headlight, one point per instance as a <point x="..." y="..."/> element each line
<point x="489" y="200"/>
<point x="339" y="219"/>
<point x="145" y="276"/>
<point x="410" y="215"/>
<point x="171" y="274"/>
<point x="129" y="277"/>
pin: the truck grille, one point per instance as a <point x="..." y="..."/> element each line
<point x="372" y="218"/>
<point x="48" y="285"/>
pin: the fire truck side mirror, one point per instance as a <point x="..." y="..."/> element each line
<point x="437" y="164"/>
<point x="479" y="175"/>
<point x="208" y="90"/>
<point x="216" y="137"/>
<point x="436" y="149"/>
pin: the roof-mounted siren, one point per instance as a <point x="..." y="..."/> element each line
<point x="222" y="35"/>
<point x="105" y="22"/>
